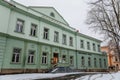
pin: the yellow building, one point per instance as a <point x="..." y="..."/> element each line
<point x="113" y="60"/>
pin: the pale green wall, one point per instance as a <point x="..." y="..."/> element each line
<point x="40" y="45"/>
<point x="2" y="49"/>
<point x="4" y="18"/>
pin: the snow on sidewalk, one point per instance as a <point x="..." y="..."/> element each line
<point x="33" y="76"/>
<point x="108" y="76"/>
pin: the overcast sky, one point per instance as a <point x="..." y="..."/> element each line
<point x="73" y="11"/>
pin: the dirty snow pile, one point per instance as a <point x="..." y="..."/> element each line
<point x="108" y="76"/>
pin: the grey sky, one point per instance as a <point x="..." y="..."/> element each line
<point x="73" y="11"/>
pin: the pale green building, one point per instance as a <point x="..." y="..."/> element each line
<point x="35" y="39"/>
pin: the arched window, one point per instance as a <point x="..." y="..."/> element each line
<point x="52" y="14"/>
<point x="104" y="62"/>
<point x="95" y="64"/>
<point x="89" y="61"/>
<point x="82" y="61"/>
<point x="100" y="63"/>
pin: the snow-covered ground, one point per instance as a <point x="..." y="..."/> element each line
<point x="99" y="76"/>
<point x="34" y="76"/>
<point x="108" y="76"/>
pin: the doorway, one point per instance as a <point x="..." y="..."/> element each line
<point x="55" y="58"/>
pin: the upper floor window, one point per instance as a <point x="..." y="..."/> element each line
<point x="81" y="43"/>
<point x="71" y="41"/>
<point x="63" y="58"/>
<point x="31" y="56"/>
<point x="71" y="60"/>
<point x="94" y="48"/>
<point x="16" y="55"/>
<point x="88" y="45"/>
<point x="56" y="36"/>
<point x="82" y="61"/>
<point x="46" y="33"/>
<point x="98" y="48"/>
<point x="19" y="26"/>
<point x="33" y="31"/>
<point x="44" y="58"/>
<point x="64" y="39"/>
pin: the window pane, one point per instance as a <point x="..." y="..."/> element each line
<point x="16" y="55"/>
<point x="31" y="56"/>
<point x="33" y="30"/>
<point x="46" y="33"/>
<point x="64" y="39"/>
<point x="19" y="25"/>
<point x="56" y="36"/>
<point x="44" y="58"/>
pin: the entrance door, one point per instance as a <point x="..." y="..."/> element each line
<point x="55" y="58"/>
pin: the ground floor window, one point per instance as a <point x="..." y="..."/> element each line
<point x="89" y="61"/>
<point x="31" y="56"/>
<point x="82" y="61"/>
<point x="16" y="55"/>
<point x="95" y="62"/>
<point x="105" y="65"/>
<point x="71" y="60"/>
<point x="63" y="58"/>
<point x="100" y="62"/>
<point x="44" y="58"/>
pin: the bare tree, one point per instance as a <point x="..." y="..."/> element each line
<point x="104" y="16"/>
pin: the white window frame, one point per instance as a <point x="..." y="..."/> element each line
<point x="64" y="58"/>
<point x="33" y="30"/>
<point x="83" y="61"/>
<point x="31" y="56"/>
<point x="88" y="45"/>
<point x="94" y="47"/>
<point x="19" y="26"/>
<point x="98" y="48"/>
<point x="16" y="55"/>
<point x="89" y="61"/>
<point x="95" y="62"/>
<point x="71" y="60"/>
<point x="71" y="41"/>
<point x="64" y="38"/>
<point x="82" y="44"/>
<point x="46" y="33"/>
<point x="56" y="36"/>
<point x="44" y="58"/>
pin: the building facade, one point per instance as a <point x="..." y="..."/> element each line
<point x="35" y="39"/>
<point x="113" y="59"/>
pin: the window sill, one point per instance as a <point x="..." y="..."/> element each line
<point x="15" y="63"/>
<point x="33" y="36"/>
<point x="83" y="66"/>
<point x="56" y="41"/>
<point x="71" y="45"/>
<point x="64" y="43"/>
<point x="30" y="63"/>
<point x="71" y="65"/>
<point x="44" y="63"/>
<point x="46" y="39"/>
<point x="19" y="32"/>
